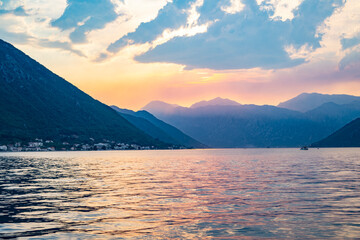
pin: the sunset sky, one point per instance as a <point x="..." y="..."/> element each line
<point x="130" y="52"/>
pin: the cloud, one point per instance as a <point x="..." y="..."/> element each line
<point x="171" y="16"/>
<point x="350" y="42"/>
<point x="213" y="10"/>
<point x="351" y="61"/>
<point x="101" y="57"/>
<point x="280" y="9"/>
<point x="247" y="39"/>
<point x="26" y="23"/>
<point x="10" y="4"/>
<point x="11" y="30"/>
<point x="12" y="7"/>
<point x="85" y="16"/>
<point x="234" y="7"/>
<point x="15" y="38"/>
<point x="45" y="9"/>
<point x="19" y="11"/>
<point x="59" y="45"/>
<point x="220" y="35"/>
<point x="24" y="38"/>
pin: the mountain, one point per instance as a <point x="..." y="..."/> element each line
<point x="245" y="126"/>
<point x="157" y="128"/>
<point x="347" y="136"/>
<point x="36" y="103"/>
<point x="216" y="102"/>
<point x="334" y="115"/>
<point x="308" y="101"/>
<point x="259" y="126"/>
<point x="159" y="107"/>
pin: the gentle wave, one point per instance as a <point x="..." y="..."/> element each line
<point x="185" y="194"/>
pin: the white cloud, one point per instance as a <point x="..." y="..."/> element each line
<point x="235" y="6"/>
<point x="36" y="22"/>
<point x="282" y="9"/>
<point x="146" y="12"/>
<point x="187" y="31"/>
<point x="344" y="23"/>
<point x="132" y="17"/>
<point x="13" y="24"/>
<point x="191" y="28"/>
<point x="45" y="8"/>
<point x="119" y="4"/>
<point x="193" y="14"/>
<point x="303" y="52"/>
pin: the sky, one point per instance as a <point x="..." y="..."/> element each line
<point x="130" y="52"/>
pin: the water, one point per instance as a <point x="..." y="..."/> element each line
<point x="184" y="194"/>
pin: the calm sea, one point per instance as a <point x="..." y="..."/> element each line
<point x="182" y="194"/>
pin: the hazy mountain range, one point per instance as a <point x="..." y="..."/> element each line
<point x="308" y="101"/>
<point x="216" y="102"/>
<point x="235" y="125"/>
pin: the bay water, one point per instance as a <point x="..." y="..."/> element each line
<point x="181" y="194"/>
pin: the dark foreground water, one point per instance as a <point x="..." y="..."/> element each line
<point x="185" y="194"/>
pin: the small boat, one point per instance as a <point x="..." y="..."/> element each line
<point x="304" y="148"/>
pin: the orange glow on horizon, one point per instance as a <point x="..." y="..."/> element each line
<point x="128" y="84"/>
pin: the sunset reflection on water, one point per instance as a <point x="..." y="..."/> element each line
<point x="187" y="194"/>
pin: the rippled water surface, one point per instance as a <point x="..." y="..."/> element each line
<point x="184" y="194"/>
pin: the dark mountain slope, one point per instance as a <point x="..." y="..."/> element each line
<point x="36" y="103"/>
<point x="157" y="128"/>
<point x="347" y="136"/>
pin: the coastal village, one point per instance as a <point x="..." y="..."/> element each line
<point x="40" y="145"/>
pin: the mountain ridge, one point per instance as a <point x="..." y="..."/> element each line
<point x="157" y="128"/>
<point x="160" y="107"/>
<point x="259" y="126"/>
<point x="215" y="102"/>
<point x="36" y="103"/>
<point x="309" y="101"/>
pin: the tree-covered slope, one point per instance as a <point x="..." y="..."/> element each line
<point x="36" y="103"/>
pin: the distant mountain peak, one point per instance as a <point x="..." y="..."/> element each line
<point x="216" y="102"/>
<point x="309" y="101"/>
<point x="160" y="107"/>
<point x="159" y="104"/>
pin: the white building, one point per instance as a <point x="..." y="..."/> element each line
<point x="35" y="144"/>
<point x="102" y="146"/>
<point x="3" y="148"/>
